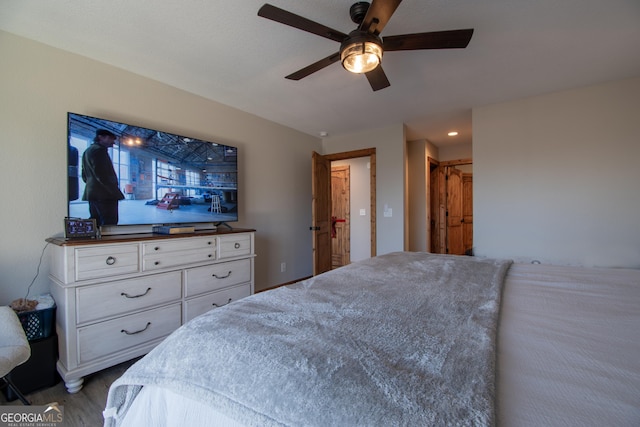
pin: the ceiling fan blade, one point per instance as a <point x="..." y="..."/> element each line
<point x="316" y="66"/>
<point x="378" y="15"/>
<point x="452" y="39"/>
<point x="377" y="78"/>
<point x="291" y="19"/>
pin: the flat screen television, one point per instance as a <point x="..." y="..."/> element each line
<point x="163" y="178"/>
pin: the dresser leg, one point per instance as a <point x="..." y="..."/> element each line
<point x="74" y="386"/>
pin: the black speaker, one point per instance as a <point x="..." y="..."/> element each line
<point x="72" y="166"/>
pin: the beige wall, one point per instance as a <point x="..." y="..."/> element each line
<point x="418" y="154"/>
<point x="40" y="84"/>
<point x="556" y="177"/>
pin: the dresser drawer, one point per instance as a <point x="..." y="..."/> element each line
<point x="197" y="306"/>
<point x="123" y="296"/>
<point x="234" y="245"/>
<point x="158" y="255"/>
<point x="113" y="336"/>
<point x="106" y="261"/>
<point x="178" y="245"/>
<point x="160" y="261"/>
<point x="218" y="276"/>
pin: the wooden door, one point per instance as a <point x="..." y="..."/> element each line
<point x="321" y="213"/>
<point x="467" y="212"/>
<point x="455" y="243"/>
<point x="451" y="207"/>
<point x="340" y="216"/>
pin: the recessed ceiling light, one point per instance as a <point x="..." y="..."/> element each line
<point x="324" y="134"/>
<point x="453" y="133"/>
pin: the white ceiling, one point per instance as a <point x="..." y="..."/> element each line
<point x="221" y="49"/>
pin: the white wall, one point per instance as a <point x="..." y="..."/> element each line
<point x="40" y="84"/>
<point x="389" y="143"/>
<point x="556" y="177"/>
<point x="418" y="153"/>
<point x="455" y="152"/>
<point x="360" y="191"/>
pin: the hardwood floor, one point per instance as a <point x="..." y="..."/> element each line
<point x="83" y="408"/>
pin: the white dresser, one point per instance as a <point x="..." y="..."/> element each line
<point x="119" y="296"/>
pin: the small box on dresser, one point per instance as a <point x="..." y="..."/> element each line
<point x="119" y="296"/>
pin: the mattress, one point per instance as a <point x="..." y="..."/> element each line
<point x="568" y="354"/>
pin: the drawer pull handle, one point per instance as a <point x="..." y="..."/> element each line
<point x="209" y="243"/>
<point x="210" y="255"/>
<point x="222" y="305"/>
<point x="126" y="295"/>
<point x="156" y="263"/>
<point x="111" y="260"/>
<point x="136" y="332"/>
<point x="222" y="277"/>
<point x="237" y="245"/>
<point x="156" y="248"/>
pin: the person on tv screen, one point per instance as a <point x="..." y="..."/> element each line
<point x="101" y="190"/>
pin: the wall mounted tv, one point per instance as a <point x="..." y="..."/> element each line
<point x="165" y="179"/>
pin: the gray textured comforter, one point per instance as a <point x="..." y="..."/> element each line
<point x="400" y="339"/>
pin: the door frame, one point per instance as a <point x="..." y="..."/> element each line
<point x="371" y="153"/>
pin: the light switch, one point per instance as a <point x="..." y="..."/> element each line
<point x="363" y="212"/>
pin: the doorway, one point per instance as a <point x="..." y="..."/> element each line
<point x="340" y="215"/>
<point x="322" y="200"/>
<point x="451" y="207"/>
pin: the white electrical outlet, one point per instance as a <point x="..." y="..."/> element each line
<point x="363" y="212"/>
<point x="283" y="267"/>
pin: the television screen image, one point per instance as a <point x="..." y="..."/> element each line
<point x="122" y="174"/>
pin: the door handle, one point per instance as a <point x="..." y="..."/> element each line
<point x="314" y="228"/>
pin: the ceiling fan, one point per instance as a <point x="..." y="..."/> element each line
<point x="361" y="50"/>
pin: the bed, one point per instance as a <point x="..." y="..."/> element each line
<point x="406" y="338"/>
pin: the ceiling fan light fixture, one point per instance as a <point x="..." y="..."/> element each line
<point x="361" y="53"/>
<point x="361" y="50"/>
